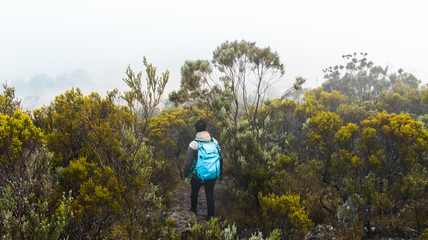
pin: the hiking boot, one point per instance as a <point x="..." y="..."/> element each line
<point x="193" y="211"/>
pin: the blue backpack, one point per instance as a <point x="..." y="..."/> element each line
<point x="208" y="161"/>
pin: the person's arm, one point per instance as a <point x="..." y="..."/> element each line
<point x="189" y="161"/>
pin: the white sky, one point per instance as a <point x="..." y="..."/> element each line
<point x="46" y="47"/>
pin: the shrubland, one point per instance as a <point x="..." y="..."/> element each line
<point x="351" y="154"/>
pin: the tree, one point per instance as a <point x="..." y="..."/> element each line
<point x="246" y="72"/>
<point x="395" y="142"/>
<point x="356" y="112"/>
<point x="407" y="79"/>
<point x="392" y="151"/>
<point x="401" y="99"/>
<point x="359" y="79"/>
<point x="233" y="88"/>
<point x="8" y="103"/>
<point x="148" y="97"/>
<point x="322" y="130"/>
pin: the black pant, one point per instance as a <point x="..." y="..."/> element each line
<point x="209" y="192"/>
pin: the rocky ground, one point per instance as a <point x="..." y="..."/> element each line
<point x="181" y="204"/>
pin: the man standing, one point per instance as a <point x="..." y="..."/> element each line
<point x="191" y="167"/>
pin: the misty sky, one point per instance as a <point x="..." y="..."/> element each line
<point x="46" y="47"/>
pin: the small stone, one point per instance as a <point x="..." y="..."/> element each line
<point x="321" y="232"/>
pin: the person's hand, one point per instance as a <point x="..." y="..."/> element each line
<point x="220" y="180"/>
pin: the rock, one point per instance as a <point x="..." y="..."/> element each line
<point x="182" y="219"/>
<point x="347" y="214"/>
<point x="321" y="232"/>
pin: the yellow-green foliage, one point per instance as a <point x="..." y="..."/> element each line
<point x="8" y="103"/>
<point x="345" y="133"/>
<point x="45" y="228"/>
<point x="170" y="132"/>
<point x="100" y="192"/>
<point x="98" y="188"/>
<point x="211" y="230"/>
<point x="77" y="171"/>
<point x="424" y="235"/>
<point x="317" y="100"/>
<point x="323" y="128"/>
<point x="367" y="137"/>
<point x="288" y="205"/>
<point x="350" y="157"/>
<point x="311" y="105"/>
<point x="105" y="161"/>
<point x="119" y="162"/>
<point x="283" y="162"/>
<point x="76" y="125"/>
<point x="399" y="136"/>
<point x="356" y="112"/>
<point x="272" y="113"/>
<point x="332" y="100"/>
<point x="17" y="133"/>
<point x="36" y="220"/>
<point x="25" y="183"/>
<point x="401" y="99"/>
<point x="169" y="135"/>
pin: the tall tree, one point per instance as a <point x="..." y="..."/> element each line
<point x="359" y="78"/>
<point x="233" y="87"/>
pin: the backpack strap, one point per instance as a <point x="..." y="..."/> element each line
<point x="199" y="143"/>
<point x="193" y="169"/>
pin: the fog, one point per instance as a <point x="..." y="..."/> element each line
<point x="48" y="47"/>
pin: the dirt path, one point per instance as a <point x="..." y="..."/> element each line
<point x="181" y="204"/>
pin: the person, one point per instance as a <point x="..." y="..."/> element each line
<point x="202" y="135"/>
